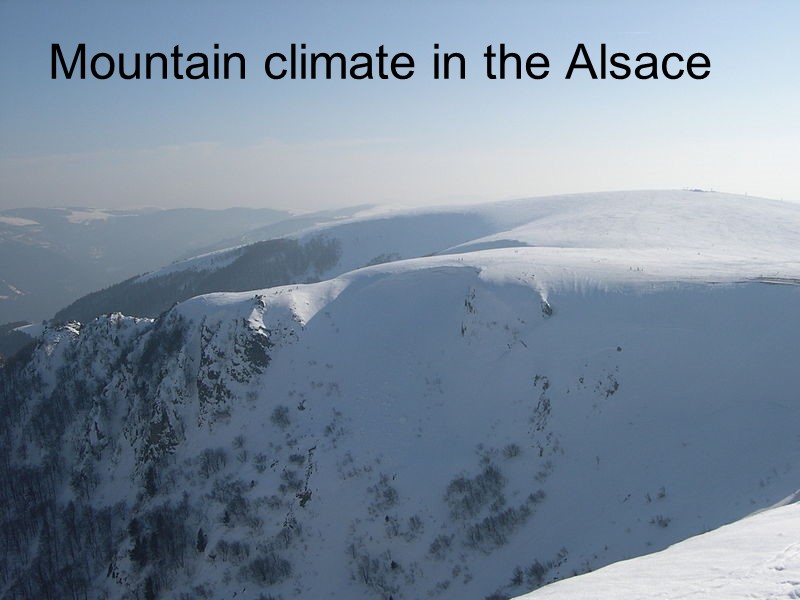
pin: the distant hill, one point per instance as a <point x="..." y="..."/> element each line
<point x="263" y="264"/>
<point x="321" y="251"/>
<point x="49" y="257"/>
<point x="639" y="223"/>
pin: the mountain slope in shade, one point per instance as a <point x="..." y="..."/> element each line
<point x="756" y="557"/>
<point x="466" y="425"/>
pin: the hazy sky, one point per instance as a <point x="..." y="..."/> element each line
<point x="306" y="145"/>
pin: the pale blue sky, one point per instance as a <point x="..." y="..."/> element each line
<point x="309" y="145"/>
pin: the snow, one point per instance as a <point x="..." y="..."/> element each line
<point x="630" y="374"/>
<point x="13" y="290"/>
<point x="204" y="262"/>
<point x="681" y="226"/>
<point x="691" y="235"/>
<point x="665" y="420"/>
<point x="17" y="221"/>
<point x="755" y="557"/>
<point x="661" y="412"/>
<point x="34" y="330"/>
<point x="87" y="215"/>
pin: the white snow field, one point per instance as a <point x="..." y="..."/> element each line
<point x="475" y="424"/>
<point x="756" y="557"/>
<point x="671" y="227"/>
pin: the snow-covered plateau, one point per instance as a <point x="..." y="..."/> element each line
<point x="591" y="378"/>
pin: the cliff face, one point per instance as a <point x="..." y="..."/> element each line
<point x="442" y="428"/>
<point x="97" y="412"/>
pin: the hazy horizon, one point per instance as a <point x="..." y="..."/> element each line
<point x="388" y="206"/>
<point x="312" y="145"/>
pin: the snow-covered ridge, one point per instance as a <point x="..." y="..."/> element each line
<point x="756" y="557"/>
<point x="209" y="261"/>
<point x="675" y="226"/>
<point x="652" y="219"/>
<point x="557" y="435"/>
<point x="678" y="234"/>
<point x="17" y="221"/>
<point x="464" y="425"/>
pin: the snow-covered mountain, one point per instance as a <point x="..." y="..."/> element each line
<point x="690" y="226"/>
<point x="472" y="424"/>
<point x="312" y="254"/>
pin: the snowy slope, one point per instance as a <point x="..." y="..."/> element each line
<point x="638" y="229"/>
<point x="459" y="426"/>
<point x="311" y="256"/>
<point x="713" y="224"/>
<point x="756" y="557"/>
<point x="664" y="219"/>
<point x="364" y="240"/>
<point x="639" y="418"/>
